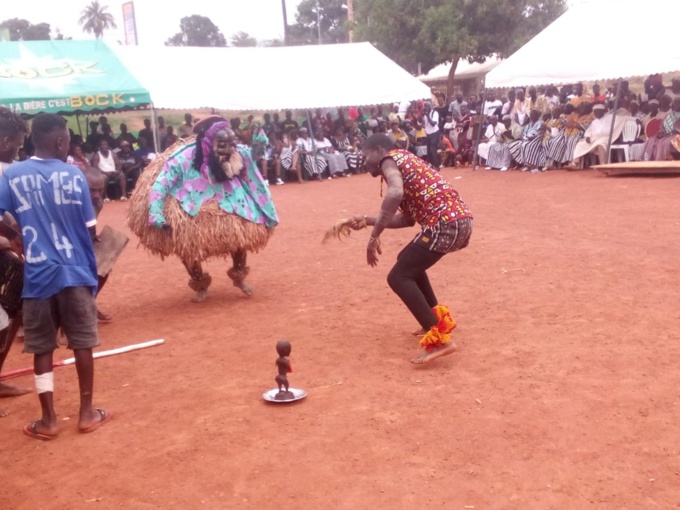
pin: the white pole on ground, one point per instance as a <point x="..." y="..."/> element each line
<point x="71" y="361"/>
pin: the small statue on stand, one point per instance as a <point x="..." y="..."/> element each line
<point x="283" y="348"/>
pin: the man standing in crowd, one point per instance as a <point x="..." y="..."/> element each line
<point x="61" y="273"/>
<point x="147" y="134"/>
<point x="456" y="106"/>
<point x="186" y="129"/>
<point x="431" y="124"/>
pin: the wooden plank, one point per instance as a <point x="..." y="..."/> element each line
<point x="107" y="249"/>
<point x="640" y="168"/>
<point x="638" y="171"/>
<point x="644" y="165"/>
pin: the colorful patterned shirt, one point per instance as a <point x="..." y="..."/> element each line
<point x="245" y="195"/>
<point x="428" y="198"/>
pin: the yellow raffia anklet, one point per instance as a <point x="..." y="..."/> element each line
<point x="440" y="333"/>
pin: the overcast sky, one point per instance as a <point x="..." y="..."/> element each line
<point x="157" y="20"/>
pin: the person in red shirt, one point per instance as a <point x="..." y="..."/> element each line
<point x="416" y="193"/>
<point x="447" y="154"/>
<point x="598" y="97"/>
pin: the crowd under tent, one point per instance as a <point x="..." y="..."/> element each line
<point x="597" y="40"/>
<point x="270" y="79"/>
<point x="66" y="77"/>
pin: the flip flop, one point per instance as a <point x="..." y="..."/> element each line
<point x="31" y="431"/>
<point x="105" y="416"/>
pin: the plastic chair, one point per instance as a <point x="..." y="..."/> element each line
<point x="631" y="131"/>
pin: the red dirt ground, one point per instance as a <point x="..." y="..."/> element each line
<point x="563" y="395"/>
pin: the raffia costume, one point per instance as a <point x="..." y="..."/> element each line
<point x="198" y="202"/>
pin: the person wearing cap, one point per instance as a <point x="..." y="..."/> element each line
<point x="595" y="138"/>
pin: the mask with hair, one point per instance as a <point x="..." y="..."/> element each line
<point x="223" y="160"/>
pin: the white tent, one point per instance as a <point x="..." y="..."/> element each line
<point x="464" y="70"/>
<point x="597" y="40"/>
<point x="294" y="77"/>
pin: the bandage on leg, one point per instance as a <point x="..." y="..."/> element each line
<point x="44" y="383"/>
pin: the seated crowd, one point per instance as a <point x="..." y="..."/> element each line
<point x="544" y="128"/>
<point x="536" y="129"/>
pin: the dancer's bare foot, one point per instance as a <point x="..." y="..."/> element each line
<point x="200" y="296"/>
<point x="420" y="332"/>
<point x="3" y="412"/>
<point x="245" y="288"/>
<point x="12" y="391"/>
<point x="438" y="352"/>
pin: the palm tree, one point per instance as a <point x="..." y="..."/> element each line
<point x="95" y="19"/>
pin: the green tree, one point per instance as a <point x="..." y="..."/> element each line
<point x="22" y="30"/>
<point x="197" y="30"/>
<point x="429" y="32"/>
<point x="243" y="40"/>
<point x="331" y="17"/>
<point x="95" y="18"/>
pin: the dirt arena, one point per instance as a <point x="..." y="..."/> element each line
<point x="563" y="394"/>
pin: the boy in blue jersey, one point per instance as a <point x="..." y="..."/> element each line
<point x="51" y="203"/>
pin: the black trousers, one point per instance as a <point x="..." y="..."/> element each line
<point x="433" y="141"/>
<point x="408" y="279"/>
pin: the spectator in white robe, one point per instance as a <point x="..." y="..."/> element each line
<point x="596" y="137"/>
<point x="492" y="136"/>
<point x="315" y="165"/>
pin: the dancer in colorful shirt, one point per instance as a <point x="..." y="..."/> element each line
<point x="416" y="193"/>
<point x="201" y="200"/>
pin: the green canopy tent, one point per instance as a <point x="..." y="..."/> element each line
<point x="66" y="77"/>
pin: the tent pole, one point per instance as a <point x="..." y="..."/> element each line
<point x="475" y="159"/>
<point x="154" y="129"/>
<point x="611" y="129"/>
<point x="311" y="133"/>
<point x="80" y="131"/>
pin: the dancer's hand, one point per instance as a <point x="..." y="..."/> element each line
<point x="372" y="252"/>
<point x="358" y="222"/>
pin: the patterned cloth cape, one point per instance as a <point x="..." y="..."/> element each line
<point x="245" y="195"/>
